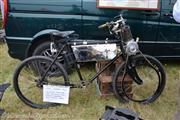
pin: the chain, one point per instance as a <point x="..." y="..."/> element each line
<point x="81" y="84"/>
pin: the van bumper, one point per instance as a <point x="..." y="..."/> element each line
<point x="18" y="49"/>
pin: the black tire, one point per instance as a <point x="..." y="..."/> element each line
<point x="147" y="67"/>
<point x="43" y="49"/>
<point x="27" y="80"/>
<point x="118" y="89"/>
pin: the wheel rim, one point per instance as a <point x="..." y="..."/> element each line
<point x="148" y="91"/>
<point x="30" y="89"/>
<point x="145" y="93"/>
<point x="50" y="54"/>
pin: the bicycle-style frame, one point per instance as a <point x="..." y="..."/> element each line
<point x="130" y="55"/>
<point x="66" y="44"/>
<point x="75" y="63"/>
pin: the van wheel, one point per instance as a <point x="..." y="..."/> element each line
<point x="44" y="50"/>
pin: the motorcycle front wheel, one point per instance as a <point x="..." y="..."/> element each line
<point x="151" y="73"/>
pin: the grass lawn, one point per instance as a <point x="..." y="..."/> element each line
<point x="86" y="104"/>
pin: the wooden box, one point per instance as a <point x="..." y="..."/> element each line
<point x="104" y="81"/>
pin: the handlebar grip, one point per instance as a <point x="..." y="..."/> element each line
<point x="102" y="26"/>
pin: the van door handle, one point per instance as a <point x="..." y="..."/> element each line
<point x="150" y="13"/>
<point x="168" y="15"/>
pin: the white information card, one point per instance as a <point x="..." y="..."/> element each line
<point x="56" y="94"/>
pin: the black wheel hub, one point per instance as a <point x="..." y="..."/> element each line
<point x="40" y="83"/>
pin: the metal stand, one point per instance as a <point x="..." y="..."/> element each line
<point x="3" y="87"/>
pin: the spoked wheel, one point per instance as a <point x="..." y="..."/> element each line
<point x="151" y="76"/>
<point x="28" y="80"/>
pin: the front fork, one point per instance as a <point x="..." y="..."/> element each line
<point x="131" y="69"/>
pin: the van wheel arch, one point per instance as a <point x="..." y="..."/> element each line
<point x="39" y="38"/>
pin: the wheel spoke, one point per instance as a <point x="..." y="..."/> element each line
<point x="153" y="77"/>
<point x="28" y="83"/>
<point x="29" y="76"/>
<point x="48" y="53"/>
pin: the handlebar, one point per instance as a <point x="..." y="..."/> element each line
<point x="103" y="25"/>
<point x="120" y="20"/>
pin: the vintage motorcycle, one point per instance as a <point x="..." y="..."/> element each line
<point x="147" y="73"/>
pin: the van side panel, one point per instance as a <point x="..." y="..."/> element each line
<point x="168" y="44"/>
<point x="27" y="18"/>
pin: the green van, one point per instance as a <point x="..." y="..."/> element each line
<point x="28" y="24"/>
